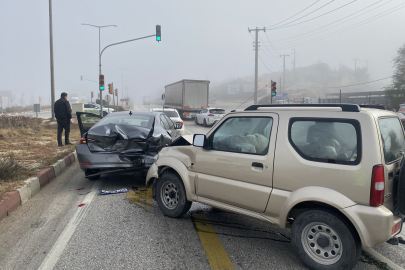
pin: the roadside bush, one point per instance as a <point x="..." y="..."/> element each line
<point x="9" y="168"/>
<point x="20" y="122"/>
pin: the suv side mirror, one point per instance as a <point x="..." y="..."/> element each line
<point x="163" y="96"/>
<point x="200" y="140"/>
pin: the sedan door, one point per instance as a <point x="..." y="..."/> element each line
<point x="86" y="121"/>
<point x="238" y="167"/>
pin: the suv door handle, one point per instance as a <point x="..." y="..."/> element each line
<point x="257" y="165"/>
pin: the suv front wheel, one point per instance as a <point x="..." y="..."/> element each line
<point x="325" y="241"/>
<point x="171" y="195"/>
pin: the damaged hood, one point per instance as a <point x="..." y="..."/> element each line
<point x="124" y="138"/>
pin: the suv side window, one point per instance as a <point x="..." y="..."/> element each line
<point x="326" y="140"/>
<point x="248" y="135"/>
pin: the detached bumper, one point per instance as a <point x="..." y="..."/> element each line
<point x="108" y="161"/>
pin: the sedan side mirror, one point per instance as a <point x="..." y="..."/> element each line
<point x="200" y="140"/>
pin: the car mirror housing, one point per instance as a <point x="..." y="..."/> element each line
<point x="200" y="140"/>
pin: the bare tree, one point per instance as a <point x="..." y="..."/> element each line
<point x="22" y="99"/>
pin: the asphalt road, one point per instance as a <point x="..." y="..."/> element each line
<point x="128" y="231"/>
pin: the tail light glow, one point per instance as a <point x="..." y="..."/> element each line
<point x="83" y="141"/>
<point x="211" y="114"/>
<point x="377" y="189"/>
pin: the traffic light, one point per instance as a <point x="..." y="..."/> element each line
<point x="92" y="94"/>
<point x="158" y="33"/>
<point x="116" y="92"/>
<point x="101" y="82"/>
<point x="273" y="89"/>
<point x="110" y="88"/>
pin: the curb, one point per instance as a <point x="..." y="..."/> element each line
<point x="377" y="256"/>
<point x="13" y="199"/>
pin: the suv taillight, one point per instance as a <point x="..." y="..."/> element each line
<point x="377" y="189"/>
<point x="83" y="141"/>
<point x="180" y="122"/>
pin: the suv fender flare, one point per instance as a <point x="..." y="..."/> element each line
<point x="312" y="194"/>
<point x="334" y="200"/>
<point x="165" y="163"/>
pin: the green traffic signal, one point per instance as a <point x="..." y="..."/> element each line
<point x="158" y="33"/>
<point x="101" y="87"/>
<point x="273" y="94"/>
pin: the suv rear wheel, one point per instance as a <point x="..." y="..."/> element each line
<point x="171" y="195"/>
<point x="325" y="241"/>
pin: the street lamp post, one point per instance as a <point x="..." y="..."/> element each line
<point x="99" y="63"/>
<point x="51" y="52"/>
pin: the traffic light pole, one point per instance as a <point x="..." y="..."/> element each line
<point x="101" y="53"/>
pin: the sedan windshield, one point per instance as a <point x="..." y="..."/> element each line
<point x="145" y="121"/>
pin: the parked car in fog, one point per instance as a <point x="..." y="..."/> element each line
<point x="209" y="116"/>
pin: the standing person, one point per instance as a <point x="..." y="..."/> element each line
<point x="63" y="114"/>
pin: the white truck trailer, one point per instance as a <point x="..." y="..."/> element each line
<point x="188" y="97"/>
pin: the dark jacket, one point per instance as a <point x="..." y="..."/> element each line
<point x="62" y="109"/>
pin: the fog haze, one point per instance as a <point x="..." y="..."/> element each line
<point x="206" y="40"/>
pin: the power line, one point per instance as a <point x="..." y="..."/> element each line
<point x="264" y="64"/>
<point x="339" y="31"/>
<point x="344" y="85"/>
<point x="335" y="22"/>
<point x="267" y="54"/>
<point x="295" y="14"/>
<point x="266" y="47"/>
<point x="302" y="16"/>
<point x="270" y="42"/>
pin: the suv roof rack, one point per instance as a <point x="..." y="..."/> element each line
<point x="345" y="107"/>
<point x="380" y="107"/>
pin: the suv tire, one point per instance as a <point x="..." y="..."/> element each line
<point x="171" y="196"/>
<point x="205" y="123"/>
<point x="196" y="121"/>
<point x="325" y="241"/>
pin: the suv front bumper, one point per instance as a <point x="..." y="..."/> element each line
<point x="375" y="225"/>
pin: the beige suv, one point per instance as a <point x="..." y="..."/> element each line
<point x="330" y="172"/>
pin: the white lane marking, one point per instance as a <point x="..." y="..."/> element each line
<point x="382" y="258"/>
<point x="60" y="244"/>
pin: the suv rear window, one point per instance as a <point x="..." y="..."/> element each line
<point x="326" y="140"/>
<point x="217" y="111"/>
<point x="392" y="135"/>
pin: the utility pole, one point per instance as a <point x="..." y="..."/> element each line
<point x="367" y="64"/>
<point x="284" y="55"/>
<point x="294" y="65"/>
<point x="51" y="52"/>
<point x="355" y="64"/>
<point x="256" y="58"/>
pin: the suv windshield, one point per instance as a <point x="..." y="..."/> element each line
<point x="392" y="135"/>
<point x="169" y="113"/>
<point x="135" y="120"/>
<point x="217" y="111"/>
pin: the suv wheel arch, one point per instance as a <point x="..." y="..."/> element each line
<point x="302" y="207"/>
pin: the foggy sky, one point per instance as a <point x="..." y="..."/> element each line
<point x="200" y="40"/>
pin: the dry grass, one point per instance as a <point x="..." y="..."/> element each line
<point x="32" y="144"/>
